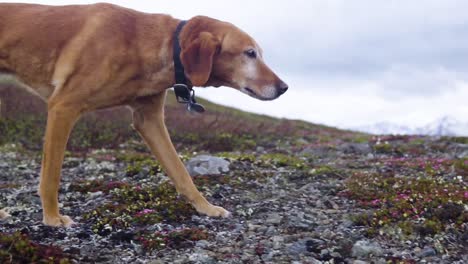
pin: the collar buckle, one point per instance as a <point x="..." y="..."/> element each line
<point x="185" y="95"/>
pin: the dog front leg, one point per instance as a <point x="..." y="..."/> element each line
<point x="60" y="121"/>
<point x="148" y="119"/>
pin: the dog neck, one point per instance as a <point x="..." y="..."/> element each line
<point x="182" y="87"/>
<point x="179" y="71"/>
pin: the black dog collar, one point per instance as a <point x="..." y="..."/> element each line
<point x="183" y="90"/>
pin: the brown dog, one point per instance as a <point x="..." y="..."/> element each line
<point x="87" y="57"/>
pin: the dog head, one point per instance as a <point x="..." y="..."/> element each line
<point x="216" y="53"/>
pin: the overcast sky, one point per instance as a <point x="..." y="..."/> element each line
<point x="348" y="63"/>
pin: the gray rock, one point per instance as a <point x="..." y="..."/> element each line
<point x="315" y="245"/>
<point x="106" y="166"/>
<point x="310" y="260"/>
<point x="462" y="153"/>
<point x="316" y="151"/>
<point x="274" y="219"/>
<point x="365" y="248"/>
<point x="271" y="231"/>
<point x="94" y="195"/>
<point x="204" y="164"/>
<point x="269" y="256"/>
<point x="427" y="252"/>
<point x="307" y="245"/>
<point x="202" y="244"/>
<point x="360" y="262"/>
<point x="201" y="257"/>
<point x="3" y="215"/>
<point x="355" y="148"/>
<point x="297" y="248"/>
<point x="277" y="242"/>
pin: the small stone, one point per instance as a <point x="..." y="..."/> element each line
<point x="205" y="164"/>
<point x="315" y="245"/>
<point x="94" y="195"/>
<point x="3" y="215"/>
<point x="253" y="227"/>
<point x="274" y="219"/>
<point x="297" y="248"/>
<point x="360" y="262"/>
<point x="106" y="166"/>
<point x="201" y="257"/>
<point x="329" y="204"/>
<point x="355" y="148"/>
<point x="202" y="244"/>
<point x="271" y="231"/>
<point x="262" y="229"/>
<point x="365" y="248"/>
<point x="123" y="236"/>
<point x="427" y="252"/>
<point x="277" y="242"/>
<point x="310" y="260"/>
<point x="225" y="250"/>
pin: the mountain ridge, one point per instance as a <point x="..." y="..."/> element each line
<point x="443" y="126"/>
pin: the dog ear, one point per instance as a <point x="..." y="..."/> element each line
<point x="197" y="58"/>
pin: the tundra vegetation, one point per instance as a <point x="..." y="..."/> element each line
<point x="298" y="192"/>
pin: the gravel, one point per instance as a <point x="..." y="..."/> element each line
<point x="281" y="214"/>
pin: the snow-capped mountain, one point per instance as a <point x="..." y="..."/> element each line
<point x="445" y="126"/>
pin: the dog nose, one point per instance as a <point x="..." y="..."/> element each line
<point x="282" y="88"/>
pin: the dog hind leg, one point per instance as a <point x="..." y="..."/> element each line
<point x="60" y="121"/>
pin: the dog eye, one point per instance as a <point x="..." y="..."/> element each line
<point x="251" y="53"/>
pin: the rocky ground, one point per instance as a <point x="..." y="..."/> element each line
<point x="379" y="200"/>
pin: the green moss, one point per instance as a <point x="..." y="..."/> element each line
<point x="152" y="166"/>
<point x="17" y="248"/>
<point x="325" y="170"/>
<point x="406" y="227"/>
<point x="23" y="130"/>
<point x="461" y="167"/>
<point x="460" y="140"/>
<point x="362" y="219"/>
<point x="233" y="156"/>
<point x="96" y="186"/>
<point x="228" y="142"/>
<point x="136" y="205"/>
<point x="268" y="160"/>
<point x="174" y="239"/>
<point x="383" y="148"/>
<point x="429" y="227"/>
<point x="283" y="160"/>
<point x="9" y="186"/>
<point x="406" y="201"/>
<point x="90" y="132"/>
<point x="205" y="181"/>
<point x="360" y="138"/>
<point x="138" y="162"/>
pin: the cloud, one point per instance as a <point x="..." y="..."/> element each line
<point x="350" y="103"/>
<point x="347" y="62"/>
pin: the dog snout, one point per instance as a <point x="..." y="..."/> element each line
<point x="282" y="87"/>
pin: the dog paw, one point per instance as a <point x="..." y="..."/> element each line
<point x="4" y="215"/>
<point x="213" y="211"/>
<point x="58" y="221"/>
